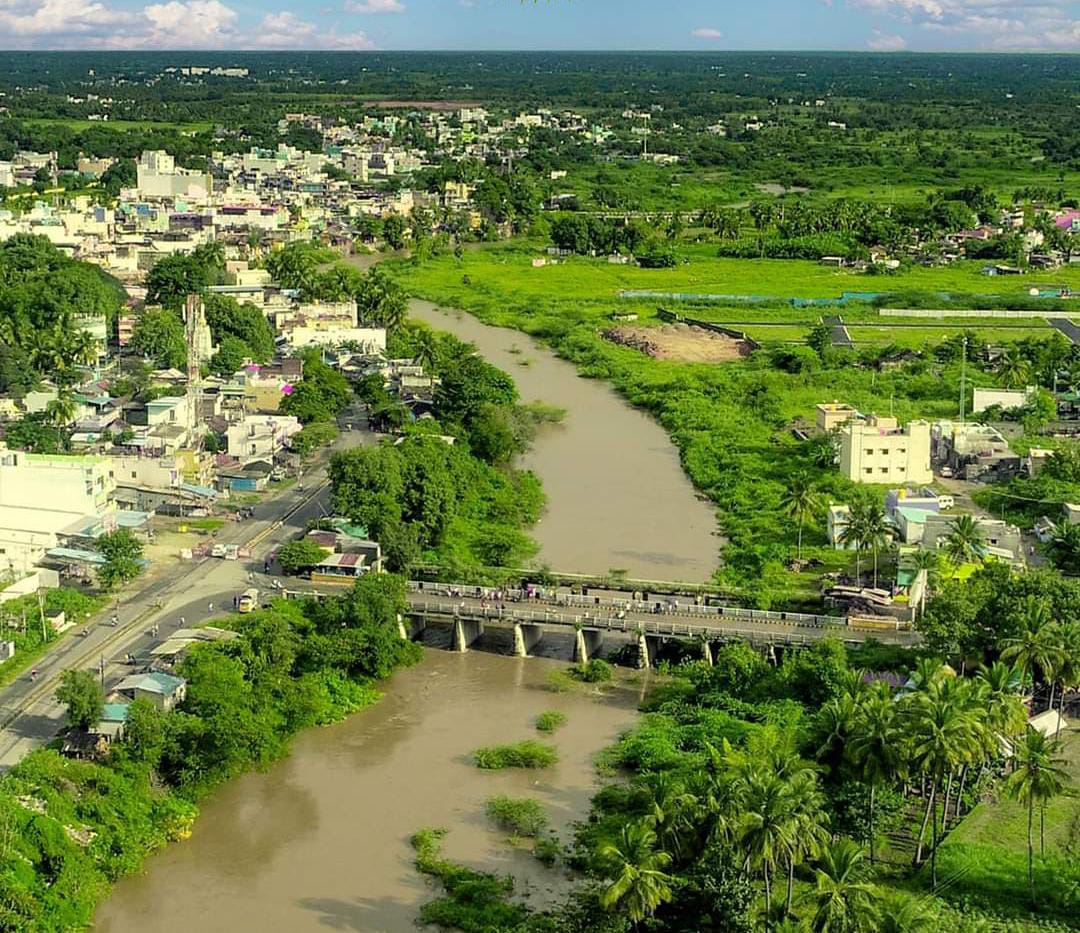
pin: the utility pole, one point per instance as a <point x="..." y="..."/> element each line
<point x="963" y="376"/>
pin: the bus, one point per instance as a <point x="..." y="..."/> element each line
<point x="249" y="600"/>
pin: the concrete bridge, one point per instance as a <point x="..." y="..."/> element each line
<point x="649" y="622"/>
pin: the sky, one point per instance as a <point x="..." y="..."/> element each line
<point x="878" y="25"/>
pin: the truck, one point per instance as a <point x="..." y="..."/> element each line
<point x="248" y="601"/>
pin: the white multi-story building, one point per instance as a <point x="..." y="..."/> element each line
<point x="879" y="451"/>
<point x="44" y="498"/>
<point x="260" y="437"/>
<point x="158" y="177"/>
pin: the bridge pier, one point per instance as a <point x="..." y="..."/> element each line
<point x="411" y="627"/>
<point x="707" y="652"/>
<point x="646" y="650"/>
<point x="466" y="631"/>
<point x="587" y="642"/>
<point x="526" y="637"/>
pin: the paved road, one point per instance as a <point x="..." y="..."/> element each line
<point x="29" y="713"/>
<point x="840" y="335"/>
<point x="1065" y="326"/>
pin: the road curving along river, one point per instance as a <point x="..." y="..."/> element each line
<point x="321" y="839"/>
<point x="617" y="494"/>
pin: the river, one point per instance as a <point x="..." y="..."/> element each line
<point x="617" y="494"/>
<point x="320" y="840"/>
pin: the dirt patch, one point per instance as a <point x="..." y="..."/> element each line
<point x="681" y="342"/>
<point x="421" y="104"/>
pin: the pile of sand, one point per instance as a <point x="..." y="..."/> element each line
<point x="680" y="342"/>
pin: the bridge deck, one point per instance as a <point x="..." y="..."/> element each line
<point x="686" y="622"/>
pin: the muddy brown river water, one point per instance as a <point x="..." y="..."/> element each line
<point x="320" y="840"/>
<point x="617" y="494"/>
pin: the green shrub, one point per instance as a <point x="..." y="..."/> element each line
<point x="523" y="816"/>
<point x="593" y="672"/>
<point x="527" y="754"/>
<point x="548" y="850"/>
<point x="475" y="902"/>
<point x="550" y="720"/>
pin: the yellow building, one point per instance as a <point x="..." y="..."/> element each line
<point x="878" y="451"/>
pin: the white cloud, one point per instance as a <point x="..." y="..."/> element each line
<point x="285" y="30"/>
<point x="185" y="24"/>
<point x="707" y="32"/>
<point x="374" y="6"/>
<point x="883" y="42"/>
<point x="991" y="24"/>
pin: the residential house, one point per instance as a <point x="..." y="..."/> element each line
<point x="260" y="437"/>
<point x="163" y="690"/>
<point x="879" y="451"/>
<point x="974" y="451"/>
<point x="833" y="414"/>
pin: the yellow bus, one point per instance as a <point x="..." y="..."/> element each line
<point x="249" y="600"/>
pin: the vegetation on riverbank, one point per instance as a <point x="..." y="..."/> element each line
<point x="71" y="828"/>
<point x="444" y="491"/>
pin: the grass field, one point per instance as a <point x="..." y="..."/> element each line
<point x="119" y="125"/>
<point x="1003" y="822"/>
<point x="509" y="268"/>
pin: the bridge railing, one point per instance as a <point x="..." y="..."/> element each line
<point x="662" y="627"/>
<point x="665" y="606"/>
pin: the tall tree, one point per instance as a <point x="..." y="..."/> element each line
<point x="843" y="899"/>
<point x="1038" y="777"/>
<point x="874" y="748"/>
<point x="965" y="543"/>
<point x="801" y="502"/>
<point x="82" y="694"/>
<point x="635" y="872"/>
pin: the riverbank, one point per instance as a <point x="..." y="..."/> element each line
<point x="322" y="837"/>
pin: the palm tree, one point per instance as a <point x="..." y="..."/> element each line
<point x="1065" y="548"/>
<point x="878" y="534"/>
<point x="800" y="502"/>
<point x="844" y="901"/>
<point x="61" y="410"/>
<point x="637" y="881"/>
<point x="808" y="835"/>
<point x="1035" y="644"/>
<point x="427" y="348"/>
<point x="1013" y="370"/>
<point x="1038" y="777"/>
<point x="904" y="913"/>
<point x="672" y="811"/>
<point x="1068" y="666"/>
<point x="856" y="534"/>
<point x="942" y="731"/>
<point x="767" y="831"/>
<point x="998" y="693"/>
<point x="874" y="748"/>
<point x="836" y="722"/>
<point x="965" y="543"/>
